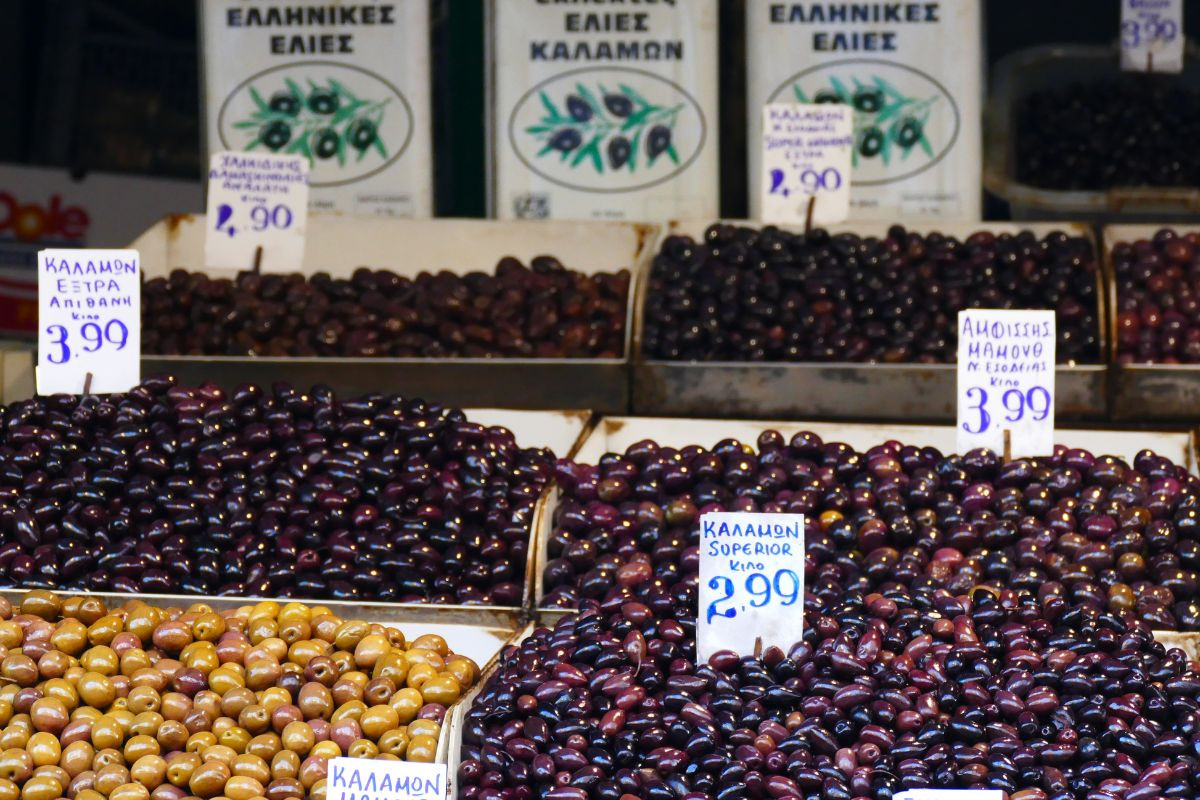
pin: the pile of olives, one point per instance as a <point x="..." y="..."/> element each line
<point x="148" y="703"/>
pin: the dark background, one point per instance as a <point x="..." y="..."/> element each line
<point x="114" y="85"/>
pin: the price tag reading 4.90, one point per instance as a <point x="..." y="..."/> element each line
<point x="89" y="321"/>
<point x="751" y="581"/>
<point x="256" y="200"/>
<point x="1006" y="380"/>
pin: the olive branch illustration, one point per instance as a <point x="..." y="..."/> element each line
<point x="325" y="122"/>
<point x="884" y="117"/>
<point x="617" y="121"/>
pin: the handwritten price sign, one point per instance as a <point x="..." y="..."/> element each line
<point x="89" y="321"/>
<point x="1152" y="35"/>
<point x="751" y="581"/>
<point x="806" y="154"/>
<point x="256" y="201"/>
<point x="1006" y="362"/>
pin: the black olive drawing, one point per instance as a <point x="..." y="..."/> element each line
<point x="285" y="103"/>
<point x="618" y="105"/>
<point x="566" y="140"/>
<point x="361" y="134"/>
<point x="275" y="134"/>
<point x="827" y="96"/>
<point x="657" y="141"/>
<point x="325" y="143"/>
<point x="619" y="151"/>
<point x="909" y="133"/>
<point x="578" y="108"/>
<point x="871" y="142"/>
<point x="323" y="101"/>
<point x="868" y="101"/>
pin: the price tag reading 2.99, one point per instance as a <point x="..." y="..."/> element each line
<point x="751" y="581"/>
<point x="1006" y="362"/>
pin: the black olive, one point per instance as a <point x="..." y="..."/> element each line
<point x="361" y="134"/>
<point x="275" y="134"/>
<point x="870" y="142"/>
<point x="619" y="151"/>
<point x="579" y="109"/>
<point x="325" y="143"/>
<point x="566" y="139"/>
<point x="618" y="105"/>
<point x="323" y="101"/>
<point x="657" y="141"/>
<point x="868" y="101"/>
<point x="285" y="103"/>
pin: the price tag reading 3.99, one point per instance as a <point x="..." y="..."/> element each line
<point x="751" y="581"/>
<point x="89" y="321"/>
<point x="1152" y="35"/>
<point x="1006" y="363"/>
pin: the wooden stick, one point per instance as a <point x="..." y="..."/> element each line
<point x="808" y="215"/>
<point x="1007" y="445"/>
<point x="758" y="647"/>
<point x="1149" y="60"/>
<point x="87" y="383"/>
<point x="258" y="260"/>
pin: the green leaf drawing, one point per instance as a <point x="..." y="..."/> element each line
<point x="295" y="119"/>
<point x="902" y="120"/>
<point x="615" y="134"/>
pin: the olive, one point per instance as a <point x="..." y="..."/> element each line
<point x="909" y="133"/>
<point x="619" y="150"/>
<point x="565" y="140"/>
<point x="361" y="134"/>
<point x="579" y="109"/>
<point x="275" y="134"/>
<point x="326" y="142"/>
<point x="618" y="105"/>
<point x="868" y="101"/>
<point x="284" y="102"/>
<point x="658" y="141"/>
<point x="323" y="101"/>
<point x="870" y="142"/>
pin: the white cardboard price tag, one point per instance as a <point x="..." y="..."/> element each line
<point x="256" y="200"/>
<point x="751" y="581"/>
<point x="1006" y="362"/>
<point x="358" y="778"/>
<point x="1152" y="35"/>
<point x="89" y="321"/>
<point x="950" y="794"/>
<point x="806" y="154"/>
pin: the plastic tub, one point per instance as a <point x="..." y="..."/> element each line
<point x="1049" y="67"/>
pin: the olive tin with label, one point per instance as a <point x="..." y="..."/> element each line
<point x="345" y="85"/>
<point x="602" y="110"/>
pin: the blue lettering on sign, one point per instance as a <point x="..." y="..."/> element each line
<point x="1001" y="352"/>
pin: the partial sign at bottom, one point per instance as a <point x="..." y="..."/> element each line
<point x="371" y="779"/>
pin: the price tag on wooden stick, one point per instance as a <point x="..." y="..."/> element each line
<point x="751" y="582"/>
<point x="1006" y="362"/>
<point x="257" y="212"/>
<point x="806" y="162"/>
<point x="89" y="321"/>
<point x="1152" y="35"/>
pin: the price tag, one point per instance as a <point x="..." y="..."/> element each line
<point x="1152" y="35"/>
<point x="950" y="794"/>
<point x="256" y="200"/>
<point x="89" y="321"/>
<point x="371" y="779"/>
<point x="751" y="581"/>
<point x="1006" y="380"/>
<point x="805" y="154"/>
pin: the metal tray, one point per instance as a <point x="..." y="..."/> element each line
<point x="615" y="434"/>
<point x="479" y="637"/>
<point x="338" y="245"/>
<point x="1146" y="392"/>
<point x="854" y="391"/>
<point x="1052" y="66"/>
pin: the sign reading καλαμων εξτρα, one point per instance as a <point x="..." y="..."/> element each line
<point x="1152" y="35"/>
<point x="372" y="779"/>
<point x="806" y="159"/>
<point x="89" y="321"/>
<point x="1006" y="363"/>
<point x="751" y="582"/>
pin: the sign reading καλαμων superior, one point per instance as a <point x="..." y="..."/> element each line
<point x="910" y="72"/>
<point x="604" y="110"/>
<point x="345" y="85"/>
